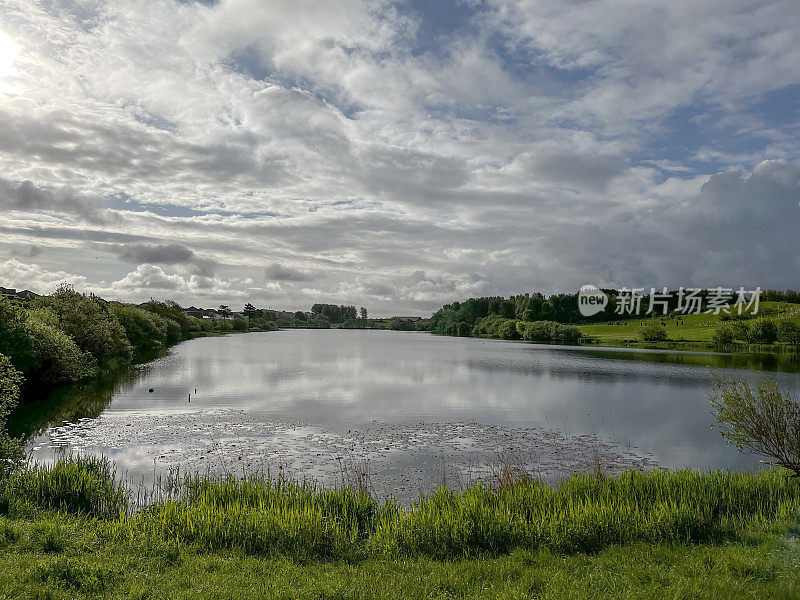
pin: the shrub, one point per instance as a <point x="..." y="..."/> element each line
<point x="10" y="382"/>
<point x="144" y="329"/>
<point x="549" y="331"/>
<point x="762" y="331"/>
<point x="789" y="332"/>
<point x="653" y="332"/>
<point x="89" y="321"/>
<point x="172" y="312"/>
<point x="765" y="421"/>
<point x="723" y="337"/>
<point x="740" y="331"/>
<point x="38" y="348"/>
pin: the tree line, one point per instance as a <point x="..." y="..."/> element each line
<point x="68" y="336"/>
<point x="336" y="313"/>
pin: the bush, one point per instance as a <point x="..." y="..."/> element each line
<point x="38" y="348"/>
<point x="145" y="330"/>
<point x="10" y="382"/>
<point x="549" y="331"/>
<point x="789" y="332"/>
<point x="172" y="311"/>
<point x="765" y="421"/>
<point x="497" y="327"/>
<point x="762" y="331"/>
<point x="58" y="358"/>
<point x="723" y="337"/>
<point x="740" y="331"/>
<point x="89" y="321"/>
<point x="653" y="332"/>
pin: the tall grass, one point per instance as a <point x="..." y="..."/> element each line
<point x="587" y="513"/>
<point x="301" y="520"/>
<point x="76" y="485"/>
<point x="262" y="516"/>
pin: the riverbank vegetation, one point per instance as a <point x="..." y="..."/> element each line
<point x="73" y="530"/>
<point x="533" y="317"/>
<point x="68" y="336"/>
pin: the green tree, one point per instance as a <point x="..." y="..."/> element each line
<point x="765" y="421"/>
<point x="10" y="382"/>
<point x="89" y="321"/>
<point x="763" y="331"/>
<point x="144" y="329"/>
<point x="38" y="348"/>
<point x="172" y="311"/>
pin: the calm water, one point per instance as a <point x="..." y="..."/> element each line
<point x="310" y="382"/>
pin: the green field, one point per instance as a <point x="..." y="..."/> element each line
<point x="692" y="329"/>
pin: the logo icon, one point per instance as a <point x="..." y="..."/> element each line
<point x="591" y="300"/>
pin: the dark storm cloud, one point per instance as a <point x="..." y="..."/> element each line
<point x="166" y="254"/>
<point x="593" y="172"/>
<point x="277" y="272"/>
<point x="27" y="196"/>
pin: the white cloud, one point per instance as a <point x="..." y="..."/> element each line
<point x="31" y="276"/>
<point x="288" y="151"/>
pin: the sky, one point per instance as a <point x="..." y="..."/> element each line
<point x="397" y="155"/>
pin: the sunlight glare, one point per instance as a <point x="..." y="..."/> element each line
<point x="8" y="54"/>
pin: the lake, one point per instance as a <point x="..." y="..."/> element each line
<point x="410" y="410"/>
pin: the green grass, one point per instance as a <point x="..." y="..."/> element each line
<point x="659" y="534"/>
<point x="85" y="486"/>
<point x="693" y="328"/>
<point x="761" y="565"/>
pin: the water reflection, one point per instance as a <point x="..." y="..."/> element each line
<point x="654" y="401"/>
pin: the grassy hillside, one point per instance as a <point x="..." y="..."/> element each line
<point x="690" y="328"/>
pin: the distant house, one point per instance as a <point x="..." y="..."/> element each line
<point x="203" y="313"/>
<point x="13" y="294"/>
<point x="412" y="319"/>
<point x="193" y="311"/>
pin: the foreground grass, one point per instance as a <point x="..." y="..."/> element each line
<point x="71" y="531"/>
<point x="62" y="557"/>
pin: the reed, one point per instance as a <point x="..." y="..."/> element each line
<point x="76" y="485"/>
<point x="301" y="520"/>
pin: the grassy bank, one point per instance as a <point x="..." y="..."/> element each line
<point x="72" y="528"/>
<point x="695" y="331"/>
<point x="65" y="558"/>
